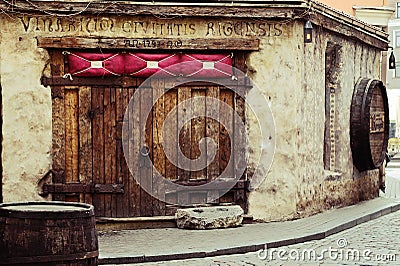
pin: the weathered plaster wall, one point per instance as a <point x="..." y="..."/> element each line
<point x="27" y="108"/>
<point x="26" y="113"/>
<point x="320" y="189"/>
<point x="277" y="70"/>
<point x="297" y="184"/>
<point x="289" y="73"/>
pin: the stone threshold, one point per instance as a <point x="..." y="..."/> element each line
<point x="135" y="223"/>
<point x="113" y="224"/>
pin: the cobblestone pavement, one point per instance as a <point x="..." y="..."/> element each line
<point x="376" y="242"/>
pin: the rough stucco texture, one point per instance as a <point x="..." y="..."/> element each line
<point x="26" y="115"/>
<point x="27" y="105"/>
<point x="297" y="184"/>
<point x="288" y="73"/>
<point x="318" y="189"/>
<point x="277" y="70"/>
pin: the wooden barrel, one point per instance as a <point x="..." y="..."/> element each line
<point x="369" y="124"/>
<point x="48" y="233"/>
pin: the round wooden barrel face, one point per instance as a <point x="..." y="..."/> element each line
<point x="48" y="210"/>
<point x="42" y="208"/>
<point x="369" y="124"/>
<point x="48" y="233"/>
<point x="377" y="125"/>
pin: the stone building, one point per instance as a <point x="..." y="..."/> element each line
<point x="69" y="68"/>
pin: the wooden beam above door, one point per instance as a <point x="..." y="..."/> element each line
<point x="126" y="82"/>
<point x="150" y="43"/>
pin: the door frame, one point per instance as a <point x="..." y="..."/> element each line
<point x="63" y="190"/>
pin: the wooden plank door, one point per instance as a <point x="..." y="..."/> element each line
<point x="190" y="138"/>
<point x="109" y="110"/>
<point x="109" y="162"/>
<point x="88" y="160"/>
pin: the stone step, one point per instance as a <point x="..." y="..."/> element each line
<point x="212" y="217"/>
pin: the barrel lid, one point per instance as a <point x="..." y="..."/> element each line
<point x="50" y="210"/>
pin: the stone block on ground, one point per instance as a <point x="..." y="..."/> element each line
<point x="209" y="217"/>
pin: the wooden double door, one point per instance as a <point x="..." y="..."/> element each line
<point x="89" y="164"/>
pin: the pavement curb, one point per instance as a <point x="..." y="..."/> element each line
<point x="255" y="247"/>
